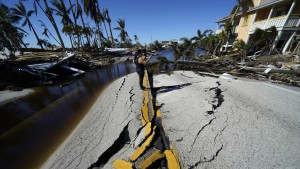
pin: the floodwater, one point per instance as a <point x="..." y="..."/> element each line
<point x="32" y="128"/>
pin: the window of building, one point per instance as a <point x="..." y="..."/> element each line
<point x="281" y="11"/>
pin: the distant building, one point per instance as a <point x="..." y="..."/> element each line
<point x="283" y="14"/>
<point x="169" y="43"/>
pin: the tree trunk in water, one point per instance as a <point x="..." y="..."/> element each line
<point x="50" y="17"/>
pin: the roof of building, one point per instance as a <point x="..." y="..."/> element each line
<point x="266" y="3"/>
<point x="263" y="4"/>
<point x="227" y="17"/>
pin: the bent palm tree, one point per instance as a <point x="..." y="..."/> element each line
<point x="46" y="31"/>
<point x="48" y="12"/>
<point x="20" y="11"/>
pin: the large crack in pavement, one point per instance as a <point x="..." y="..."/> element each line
<point x="217" y="100"/>
<point x="197" y="135"/>
<point x="153" y="149"/>
<point x="113" y="149"/>
<point x="205" y="160"/>
<point x="117" y="93"/>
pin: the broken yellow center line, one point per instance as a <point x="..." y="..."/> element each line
<point x="155" y="156"/>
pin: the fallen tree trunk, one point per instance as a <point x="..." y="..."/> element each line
<point x="193" y="63"/>
<point x="270" y="70"/>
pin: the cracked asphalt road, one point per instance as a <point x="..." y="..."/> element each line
<point x="116" y="114"/>
<point x="212" y="122"/>
<point x="228" y="123"/>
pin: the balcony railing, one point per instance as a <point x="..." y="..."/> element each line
<point x="293" y="22"/>
<point x="278" y="22"/>
<point x="265" y="24"/>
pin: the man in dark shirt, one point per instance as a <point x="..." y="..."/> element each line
<point x="140" y="62"/>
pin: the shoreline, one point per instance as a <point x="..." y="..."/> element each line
<point x="83" y="124"/>
<point x="7" y="96"/>
<point x="46" y="164"/>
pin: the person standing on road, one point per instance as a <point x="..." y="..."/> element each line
<point x="140" y="61"/>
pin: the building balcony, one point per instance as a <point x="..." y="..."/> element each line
<point x="279" y="22"/>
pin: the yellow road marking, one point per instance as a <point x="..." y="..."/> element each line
<point x="158" y="113"/>
<point x="148" y="129"/>
<point x="171" y="155"/>
<point x="143" y="147"/>
<point x="172" y="159"/>
<point x="147" y="83"/>
<point x="155" y="156"/>
<point x="121" y="164"/>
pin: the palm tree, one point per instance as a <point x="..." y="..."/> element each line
<point x="11" y="37"/>
<point x="123" y="34"/>
<point x="198" y="38"/>
<point x="263" y="39"/>
<point x="75" y="21"/>
<point x="186" y="50"/>
<point x="21" y="11"/>
<point x="47" y="31"/>
<point x="136" y="38"/>
<point x="91" y="8"/>
<point x="108" y="20"/>
<point x="241" y="47"/>
<point x="68" y="30"/>
<point x="242" y="5"/>
<point x="48" y="12"/>
<point x="61" y="10"/>
<point x="85" y="29"/>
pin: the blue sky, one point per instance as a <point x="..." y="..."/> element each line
<point x="161" y="19"/>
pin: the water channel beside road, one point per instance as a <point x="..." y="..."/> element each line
<point x="32" y="127"/>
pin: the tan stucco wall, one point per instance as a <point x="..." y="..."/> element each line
<point x="256" y="2"/>
<point x="244" y="26"/>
